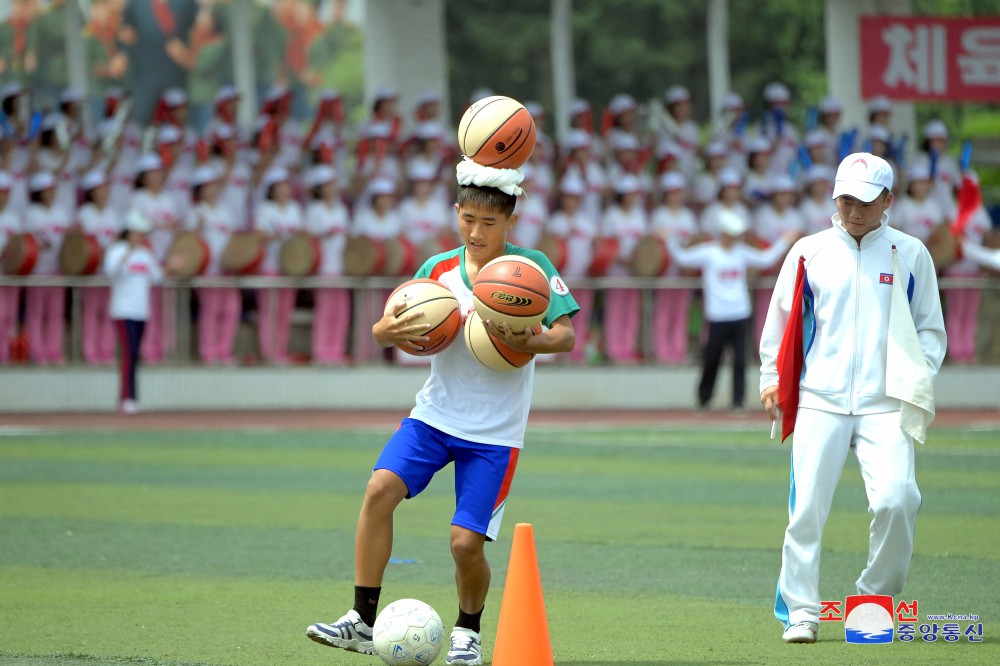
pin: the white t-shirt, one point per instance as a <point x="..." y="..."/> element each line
<point x="769" y="223"/>
<point x="532" y="212"/>
<point x="323" y="219"/>
<point x="163" y="211"/>
<point x="280" y="221"/>
<point x="423" y="220"/>
<point x="628" y="226"/>
<point x="217" y="227"/>
<point x="369" y="223"/>
<point x="710" y="216"/>
<point x="679" y="224"/>
<point x="817" y="215"/>
<point x="131" y="274"/>
<point x="916" y="218"/>
<point x="49" y="225"/>
<point x="579" y="232"/>
<point x="103" y="225"/>
<point x="10" y="225"/>
<point x="461" y="396"/>
<point x="724" y="274"/>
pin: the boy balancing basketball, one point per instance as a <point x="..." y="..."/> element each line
<point x="465" y="413"/>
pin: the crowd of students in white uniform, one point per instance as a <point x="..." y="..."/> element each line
<point x="625" y="173"/>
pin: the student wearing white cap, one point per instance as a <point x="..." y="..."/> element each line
<point x="154" y="203"/>
<point x="962" y="303"/>
<point x="45" y="306"/>
<point x="724" y="263"/>
<point x="706" y="184"/>
<point x="236" y="173"/>
<point x="917" y="212"/>
<point x="581" y="164"/>
<point x="218" y="307"/>
<point x="10" y="297"/>
<point x="728" y="199"/>
<point x="680" y="128"/>
<point x="626" y="220"/>
<point x="96" y="218"/>
<point x="133" y="270"/>
<point x="853" y="340"/>
<point x="827" y="132"/>
<point x="816" y="206"/>
<point x="578" y="228"/>
<point x="779" y="129"/>
<point x="380" y="221"/>
<point x="55" y="156"/>
<point x="532" y="211"/>
<point x="776" y="217"/>
<point x="18" y="161"/>
<point x="276" y="218"/>
<point x="758" y="172"/>
<point x="329" y="221"/>
<point x="424" y="213"/>
<point x="671" y="307"/>
<point x="621" y="117"/>
<point x="943" y="167"/>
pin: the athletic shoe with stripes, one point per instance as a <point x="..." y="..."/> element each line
<point x="466" y="648"/>
<point x="348" y="633"/>
<point x="801" y="632"/>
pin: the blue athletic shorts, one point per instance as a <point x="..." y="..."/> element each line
<point x="483" y="472"/>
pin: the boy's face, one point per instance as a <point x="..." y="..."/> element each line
<point x="484" y="231"/>
<point x="859" y="217"/>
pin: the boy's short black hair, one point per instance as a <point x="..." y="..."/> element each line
<point x="487" y="197"/>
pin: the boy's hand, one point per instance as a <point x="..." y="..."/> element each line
<point x="405" y="331"/>
<point x="516" y="341"/>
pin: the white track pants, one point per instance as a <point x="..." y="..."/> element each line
<point x="819" y="450"/>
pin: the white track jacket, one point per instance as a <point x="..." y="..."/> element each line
<point x="845" y="350"/>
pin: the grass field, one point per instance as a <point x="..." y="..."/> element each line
<point x="656" y="546"/>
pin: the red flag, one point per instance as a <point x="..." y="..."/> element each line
<point x="969" y="200"/>
<point x="790" y="356"/>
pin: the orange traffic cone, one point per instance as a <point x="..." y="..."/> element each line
<point x="523" y="631"/>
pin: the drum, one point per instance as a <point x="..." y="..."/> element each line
<point x="942" y="246"/>
<point x="80" y="253"/>
<point x="20" y="254"/>
<point x="605" y="255"/>
<point x="650" y="257"/>
<point x="300" y="255"/>
<point x="400" y="256"/>
<point x="243" y="254"/>
<point x="991" y="239"/>
<point x="435" y="245"/>
<point x="553" y="247"/>
<point x="364" y="257"/>
<point x="188" y="255"/>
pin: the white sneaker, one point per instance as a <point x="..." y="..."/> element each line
<point x="801" y="632"/>
<point x="348" y="633"/>
<point x="466" y="648"/>
<point x="129" y="407"/>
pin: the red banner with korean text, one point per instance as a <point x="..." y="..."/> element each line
<point x="930" y="58"/>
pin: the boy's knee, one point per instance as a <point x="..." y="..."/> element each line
<point x="903" y="499"/>
<point x="466" y="546"/>
<point x="385" y="486"/>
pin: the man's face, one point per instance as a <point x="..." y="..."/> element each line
<point x="859" y="217"/>
<point x="484" y="231"/>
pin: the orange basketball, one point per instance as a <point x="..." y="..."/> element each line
<point x="513" y="289"/>
<point x="497" y="132"/>
<point x="490" y="350"/>
<point x="439" y="308"/>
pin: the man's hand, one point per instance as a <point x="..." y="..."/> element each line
<point x="769" y="398"/>
<point x="406" y="331"/>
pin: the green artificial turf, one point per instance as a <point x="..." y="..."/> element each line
<point x="655" y="546"/>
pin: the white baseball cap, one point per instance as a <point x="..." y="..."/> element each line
<point x="92" y="179"/>
<point x="535" y="109"/>
<point x="716" y="149"/>
<point x="624" y="141"/>
<point x="731" y="224"/>
<point x="677" y="94"/>
<point x="935" y="129"/>
<point x="576" y="138"/>
<point x="628" y="184"/>
<point x="815" y="138"/>
<point x="777" y="93"/>
<point x="819" y="173"/>
<point x="758" y="144"/>
<point x="429" y="130"/>
<point x="732" y="102"/>
<point x="480" y="93"/>
<point x="668" y="147"/>
<point x="381" y="185"/>
<point x="862" y="176"/>
<point x="204" y="175"/>
<point x="276" y="175"/>
<point x="421" y="170"/>
<point x="136" y="221"/>
<point x="41" y="180"/>
<point x="781" y="182"/>
<point x="672" y="181"/>
<point x="226" y="93"/>
<point x="6" y="182"/>
<point x="918" y="171"/>
<point x="168" y="134"/>
<point x="71" y="95"/>
<point x="321" y="175"/>
<point x="879" y="104"/>
<point x="878" y="133"/>
<point x="729" y="177"/>
<point x="621" y="103"/>
<point x="12" y="89"/>
<point x="148" y="162"/>
<point x="830" y="105"/>
<point x="174" y="97"/>
<point x="578" y="106"/>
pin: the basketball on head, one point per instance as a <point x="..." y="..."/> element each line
<point x="497" y="132"/>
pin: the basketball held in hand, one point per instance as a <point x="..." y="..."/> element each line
<point x="439" y="309"/>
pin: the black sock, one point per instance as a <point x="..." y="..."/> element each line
<point x="366" y="603"/>
<point x="469" y="620"/>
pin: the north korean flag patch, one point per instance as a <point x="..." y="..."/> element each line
<point x="885" y="278"/>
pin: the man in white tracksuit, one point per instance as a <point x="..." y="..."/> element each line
<point x="872" y="342"/>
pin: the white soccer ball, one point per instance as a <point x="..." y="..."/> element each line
<point x="408" y="632"/>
